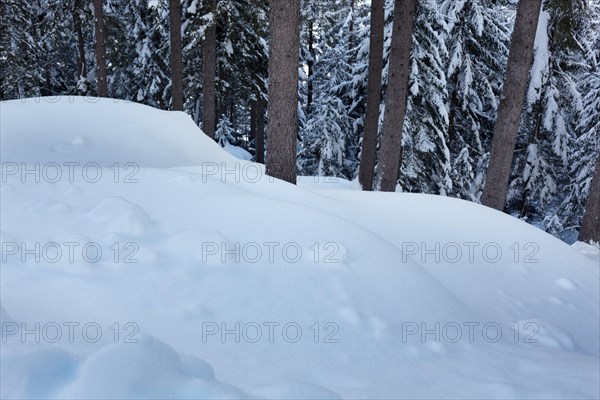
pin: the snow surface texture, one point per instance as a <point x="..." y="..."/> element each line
<point x="348" y="310"/>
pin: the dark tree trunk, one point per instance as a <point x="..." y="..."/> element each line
<point x="511" y="105"/>
<point x="284" y="45"/>
<point x="100" y="49"/>
<point x="231" y="103"/>
<point x="81" y="67"/>
<point x="590" y="228"/>
<point x="260" y="131"/>
<point x="311" y="64"/>
<point x="369" y="144"/>
<point x="452" y="114"/>
<point x="253" y="118"/>
<point x="209" y="76"/>
<point x="397" y="93"/>
<point x="47" y="89"/>
<point x="176" y="56"/>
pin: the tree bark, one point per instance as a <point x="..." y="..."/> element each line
<point x="260" y="131"/>
<point x="397" y="93"/>
<point x="284" y="45"/>
<point x="81" y="67"/>
<point x="209" y="76"/>
<point x="511" y="105"/>
<point x="100" y="49"/>
<point x="369" y="144"/>
<point x="176" y="59"/>
<point x="253" y="118"/>
<point x="590" y="228"/>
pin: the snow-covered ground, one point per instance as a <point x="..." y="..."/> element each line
<point x="167" y="268"/>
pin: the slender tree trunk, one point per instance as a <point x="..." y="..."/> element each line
<point x="253" y="117"/>
<point x="511" y="105"/>
<point x="81" y="67"/>
<point x="397" y="93"/>
<point x="47" y="90"/>
<point x="231" y="103"/>
<point x="452" y="116"/>
<point x="100" y="49"/>
<point x="176" y="56"/>
<point x="311" y="64"/>
<point x="197" y="109"/>
<point x="369" y="144"/>
<point x="260" y="131"/>
<point x="284" y="45"/>
<point x="209" y="76"/>
<point x="590" y="228"/>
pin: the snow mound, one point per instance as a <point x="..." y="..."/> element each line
<point x="237" y="152"/>
<point x="219" y="282"/>
<point x="102" y="131"/>
<point x="148" y="369"/>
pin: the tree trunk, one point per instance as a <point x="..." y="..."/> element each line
<point x="100" y="49"/>
<point x="253" y="118"/>
<point x="197" y="110"/>
<point x="311" y="64"/>
<point x="176" y="57"/>
<point x="209" y="76"/>
<point x="590" y="228"/>
<point x="81" y="67"/>
<point x="511" y="105"/>
<point x="452" y="114"/>
<point x="284" y="46"/>
<point x="369" y="144"/>
<point x="260" y="131"/>
<point x="397" y="93"/>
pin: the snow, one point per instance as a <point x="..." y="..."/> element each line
<point x="590" y="250"/>
<point x="539" y="69"/>
<point x="246" y="286"/>
<point x="237" y="152"/>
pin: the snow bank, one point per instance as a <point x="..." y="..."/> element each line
<point x="191" y="281"/>
<point x="237" y="152"/>
<point x="103" y="131"/>
<point x="589" y="250"/>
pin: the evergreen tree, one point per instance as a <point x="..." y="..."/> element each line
<point x="328" y="129"/>
<point x="426" y="157"/>
<point x="146" y="78"/>
<point x="225" y="134"/>
<point x="478" y="36"/>
<point x="565" y="221"/>
<point x="510" y="109"/>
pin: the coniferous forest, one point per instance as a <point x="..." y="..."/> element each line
<point x="299" y="199"/>
<point x="492" y="101"/>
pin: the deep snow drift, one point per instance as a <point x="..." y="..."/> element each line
<point x="142" y="260"/>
